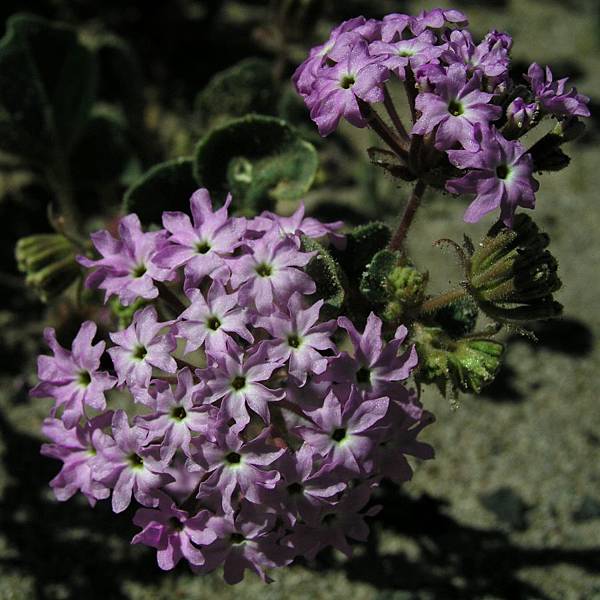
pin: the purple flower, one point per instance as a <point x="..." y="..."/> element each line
<point x="127" y="268"/>
<point x="490" y="56"/>
<point x="233" y="465"/>
<point x="297" y="225"/>
<point x="551" y="95"/>
<point x="211" y="321"/>
<point x="376" y="369"/>
<point x="178" y="415"/>
<point x="402" y="441"/>
<point x="140" y="347"/>
<point x="306" y="74"/>
<point x="342" y="521"/>
<point x="76" y="449"/>
<point x="72" y="378"/>
<point x="521" y="114"/>
<point x="298" y="338"/>
<point x="236" y="381"/>
<point x="204" y="245"/>
<point x="344" y="432"/>
<point x="496" y="38"/>
<point x="393" y="27"/>
<point x="246" y="541"/>
<point x="437" y="19"/>
<point x="185" y="482"/>
<point x="455" y="107"/>
<point x="307" y="488"/>
<point x="397" y="56"/>
<point x="500" y="176"/>
<point x="337" y="88"/>
<point x="173" y="533"/>
<point x="271" y="274"/>
<point x="125" y="464"/>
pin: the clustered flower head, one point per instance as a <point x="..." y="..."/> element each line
<point x="466" y="109"/>
<point x="256" y="437"/>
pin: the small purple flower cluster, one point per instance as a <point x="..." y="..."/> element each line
<point x="462" y="98"/>
<point x="256" y="437"/>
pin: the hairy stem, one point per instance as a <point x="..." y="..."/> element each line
<point x="437" y="302"/>
<point x="408" y="216"/>
<point x="380" y="127"/>
<point x="393" y="113"/>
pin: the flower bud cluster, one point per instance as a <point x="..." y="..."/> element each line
<point x="467" y="112"/>
<point x="256" y="437"/>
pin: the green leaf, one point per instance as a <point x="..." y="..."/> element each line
<point x="103" y="152"/>
<point x="259" y="159"/>
<point x="246" y="87"/>
<point x="328" y="276"/>
<point x="47" y="87"/>
<point x="167" y="186"/>
<point x="363" y="242"/>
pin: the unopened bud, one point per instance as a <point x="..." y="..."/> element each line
<point x="511" y="269"/>
<point x="48" y="260"/>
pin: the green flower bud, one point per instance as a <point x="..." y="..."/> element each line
<point x="389" y="281"/>
<point x="48" y="260"/>
<point x="512" y="276"/>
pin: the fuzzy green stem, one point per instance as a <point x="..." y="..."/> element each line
<point x="408" y="216"/>
<point x="434" y="304"/>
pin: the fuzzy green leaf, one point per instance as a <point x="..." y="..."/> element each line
<point x="103" y="152"/>
<point x="259" y="159"/>
<point x="47" y="87"/>
<point x="246" y="87"/>
<point x="363" y="242"/>
<point x="167" y="186"/>
<point x="373" y="283"/>
<point x="328" y="276"/>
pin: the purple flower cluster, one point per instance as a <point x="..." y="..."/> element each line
<point x="256" y="437"/>
<point x="462" y="98"/>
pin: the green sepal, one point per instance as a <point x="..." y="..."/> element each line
<point x="260" y="160"/>
<point x="47" y="87"/>
<point x="328" y="276"/>
<point x="166" y="186"/>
